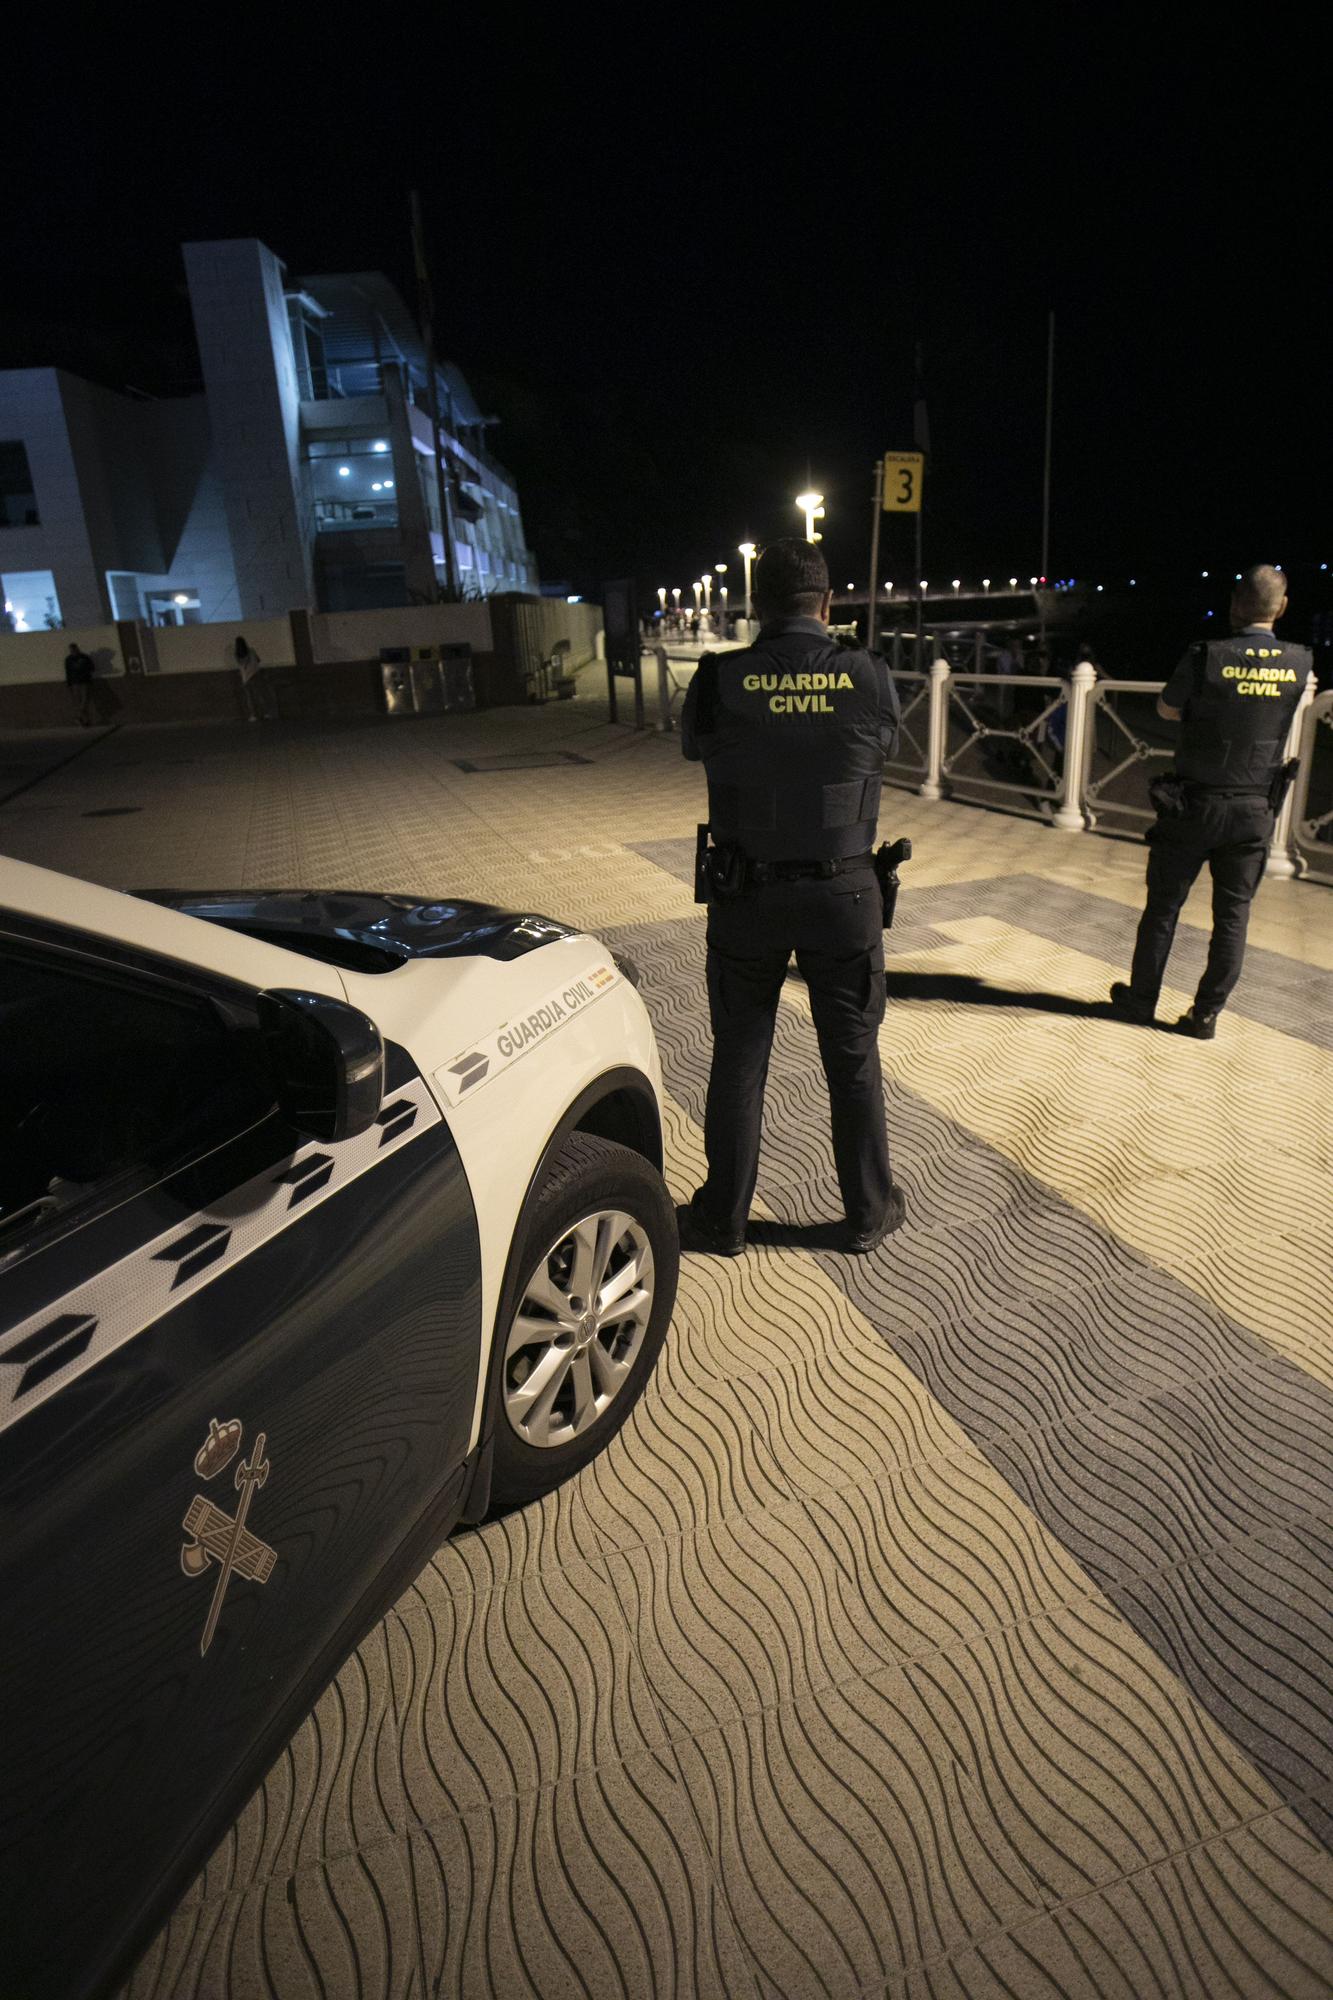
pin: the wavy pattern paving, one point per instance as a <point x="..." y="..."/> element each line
<point x="949" y="1623"/>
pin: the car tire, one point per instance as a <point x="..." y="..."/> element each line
<point x="567" y="1370"/>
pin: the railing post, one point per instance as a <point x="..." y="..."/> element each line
<point x="1283" y="862"/>
<point x="663" y="690"/>
<point x="1069" y="814"/>
<point x="937" y="730"/>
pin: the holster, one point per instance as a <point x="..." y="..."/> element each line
<point x="1167" y="792"/>
<point x="1282" y="779"/>
<point x="888" y="860"/>
<point x="720" y="873"/>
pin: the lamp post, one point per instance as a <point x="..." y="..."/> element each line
<point x="747" y="550"/>
<point x="707" y="581"/>
<point x="675" y="597"/>
<point x="698" y="590"/>
<point x="661" y="598"/>
<point x="724" y="611"/>
<point x="812" y="506"/>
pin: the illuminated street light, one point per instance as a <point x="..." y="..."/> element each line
<point x="746" y="550"/>
<point x="812" y="506"/>
<point x="181" y="597"/>
<point x="719" y="569"/>
<point x="1013" y="583"/>
<point x="344" y="472"/>
<point x="985" y="583"/>
<point x="698" y="590"/>
<point x="957" y="584"/>
<point x="675" y="596"/>
<point x="707" y="580"/>
<point x="379" y="445"/>
<point x="661" y="597"/>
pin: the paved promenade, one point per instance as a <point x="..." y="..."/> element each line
<point x="950" y="1623"/>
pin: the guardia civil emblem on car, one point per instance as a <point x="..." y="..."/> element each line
<point x="213" y="1536"/>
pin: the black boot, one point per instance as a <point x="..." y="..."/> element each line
<point x="1126" y="1003"/>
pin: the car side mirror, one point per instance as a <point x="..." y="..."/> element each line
<point x="327" y="1060"/>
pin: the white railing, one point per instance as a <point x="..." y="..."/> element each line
<point x="1077" y="752"/>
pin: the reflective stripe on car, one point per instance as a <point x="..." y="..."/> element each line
<point x="43" y="1353"/>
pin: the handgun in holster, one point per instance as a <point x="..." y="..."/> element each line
<point x="888" y="860"/>
<point x="720" y="873"/>
<point x="1282" y="778"/>
<point x="1167" y="795"/>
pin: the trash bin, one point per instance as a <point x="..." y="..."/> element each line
<point x="460" y="694"/>
<point x="428" y="685"/>
<point x="396" y="676"/>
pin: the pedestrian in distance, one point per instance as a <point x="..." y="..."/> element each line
<point x="1234" y="700"/>
<point x="248" y="664"/>
<point x="793" y="732"/>
<point x="79" y="681"/>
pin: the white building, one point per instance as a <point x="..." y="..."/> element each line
<point x="305" y="475"/>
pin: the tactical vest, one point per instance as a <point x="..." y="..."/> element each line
<point x="1239" y="711"/>
<point x="795" y="759"/>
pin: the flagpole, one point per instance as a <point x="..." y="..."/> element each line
<point x="1046" y="475"/>
<point x="874" y="554"/>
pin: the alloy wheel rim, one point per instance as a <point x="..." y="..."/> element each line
<point x="581" y="1320"/>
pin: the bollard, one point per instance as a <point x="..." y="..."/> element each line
<point x="664" y="721"/>
<point x="1069" y="815"/>
<point x="937" y="730"/>
<point x="1282" y="861"/>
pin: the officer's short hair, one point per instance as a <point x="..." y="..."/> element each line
<point x="1260" y="592"/>
<point x="790" y="579"/>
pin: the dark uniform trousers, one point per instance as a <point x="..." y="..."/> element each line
<point x="1231" y="831"/>
<point x="835" y="928"/>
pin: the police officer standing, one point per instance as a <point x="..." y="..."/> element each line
<point x="1234" y="700"/>
<point x="793" y="733"/>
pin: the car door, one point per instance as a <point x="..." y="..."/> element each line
<point x="237" y="1375"/>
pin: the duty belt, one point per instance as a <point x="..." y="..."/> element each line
<point x="797" y="871"/>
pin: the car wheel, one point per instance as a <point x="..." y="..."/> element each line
<point x="598" y="1264"/>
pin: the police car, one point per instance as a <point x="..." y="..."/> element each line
<point x="326" y="1221"/>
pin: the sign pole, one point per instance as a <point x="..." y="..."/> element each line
<point x="874" y="555"/>
<point x="920" y="607"/>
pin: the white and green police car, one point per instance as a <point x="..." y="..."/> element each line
<point x="326" y="1221"/>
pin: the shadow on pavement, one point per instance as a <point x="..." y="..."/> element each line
<point x="976" y="992"/>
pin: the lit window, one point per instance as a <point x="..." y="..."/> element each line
<point x="31" y="602"/>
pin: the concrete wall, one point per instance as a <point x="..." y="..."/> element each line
<point x="209" y="649"/>
<point x="40" y="656"/>
<point x="358" y="635"/>
<point x="240" y="317"/>
<point x="32" y="408"/>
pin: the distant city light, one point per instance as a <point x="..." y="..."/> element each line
<point x="1101" y="586"/>
<point x="1207" y="614"/>
<point x="851" y="586"/>
<point x="1203" y="572"/>
<point x="379" y="445"/>
<point x="985" y="583"/>
<point x="344" y="472"/>
<point x="388" y="486"/>
<point x="575" y="599"/>
<point x="1013" y="583"/>
<point x="377" y="485"/>
<point x="1132" y="581"/>
<point x="1033" y="581"/>
<point x="889" y="584"/>
<point x="925" y="585"/>
<point x="956" y="584"/>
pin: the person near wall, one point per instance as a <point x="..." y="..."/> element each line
<point x="248" y="664"/>
<point x="79" y="681"/>
<point x="1234" y="700"/>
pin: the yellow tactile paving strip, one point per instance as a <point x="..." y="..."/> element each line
<point x="793" y="1691"/>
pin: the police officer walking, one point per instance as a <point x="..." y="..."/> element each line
<point x="793" y="733"/>
<point x="1234" y="700"/>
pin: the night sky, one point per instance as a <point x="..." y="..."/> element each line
<point x="688" y="268"/>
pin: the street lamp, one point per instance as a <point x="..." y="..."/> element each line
<point x="812" y="506"/>
<point x="747" y="550"/>
<point x="719" y="569"/>
<point x="707" y="581"/>
<point x="698" y="590"/>
<point x="661" y="597"/>
<point x="675" y="596"/>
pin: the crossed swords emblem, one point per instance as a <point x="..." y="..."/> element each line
<point x="221" y="1538"/>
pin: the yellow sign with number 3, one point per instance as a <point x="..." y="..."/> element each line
<point x="903" y="474"/>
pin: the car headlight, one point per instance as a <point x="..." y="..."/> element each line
<point x="626" y="968"/>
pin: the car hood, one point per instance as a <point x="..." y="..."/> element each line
<point x="367" y="933"/>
